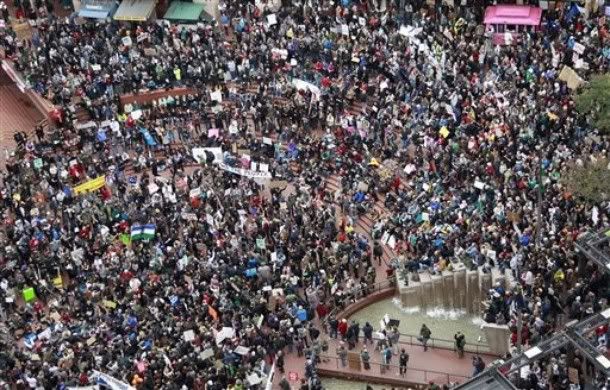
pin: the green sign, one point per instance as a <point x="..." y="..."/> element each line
<point x="29" y="294"/>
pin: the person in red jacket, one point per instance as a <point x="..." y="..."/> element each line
<point x="342" y="328"/>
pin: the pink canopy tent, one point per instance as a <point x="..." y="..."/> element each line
<point x="523" y="15"/>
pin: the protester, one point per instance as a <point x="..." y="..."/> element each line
<point x="460" y="343"/>
<point x="366" y="358"/>
<point x="424" y="336"/>
<point x="342" y="354"/>
<point x="403" y="361"/>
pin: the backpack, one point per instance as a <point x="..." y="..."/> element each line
<point x="388" y="353"/>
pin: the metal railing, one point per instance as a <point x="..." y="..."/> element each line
<point x="406" y="338"/>
<point x="363" y="292"/>
<point x="411" y="339"/>
<point x="412" y="375"/>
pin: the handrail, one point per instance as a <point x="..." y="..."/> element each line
<point x="40" y="103"/>
<point x="476" y="348"/>
<point x="371" y="288"/>
<point x="422" y="376"/>
<point x="433" y="342"/>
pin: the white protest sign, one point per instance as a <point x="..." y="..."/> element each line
<point x="271" y="20"/>
<point x="479" y="185"/>
<point x="241" y="350"/>
<point x="282" y="53"/>
<point x="392" y="242"/>
<point x="195" y="192"/>
<point x="189" y="335"/>
<point x="385" y="237"/>
<point x="152" y="188"/>
<point x="253" y="379"/>
<point x="142" y="37"/>
<point x="579" y="48"/>
<point x="245" y="172"/>
<point x="216" y="96"/>
<point x="206" y="354"/>
<point x="110" y="382"/>
<point x="126" y="41"/>
<point x="225" y="333"/>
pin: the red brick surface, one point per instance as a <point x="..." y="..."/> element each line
<point x="16" y="114"/>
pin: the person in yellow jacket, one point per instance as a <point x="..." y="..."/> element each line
<point x="559" y="276"/>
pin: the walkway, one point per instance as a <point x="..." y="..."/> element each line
<point x="17" y="113"/>
<point x="438" y="365"/>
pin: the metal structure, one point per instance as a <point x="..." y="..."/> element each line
<point x="596" y="248"/>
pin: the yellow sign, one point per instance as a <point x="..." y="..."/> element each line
<point x="89" y="186"/>
<point x="109" y="304"/>
<point x="58" y="282"/>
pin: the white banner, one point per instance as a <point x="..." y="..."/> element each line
<point x="245" y="172"/>
<point x="111" y="382"/>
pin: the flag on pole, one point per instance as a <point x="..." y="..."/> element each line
<point x="148" y="231"/>
<point x="136" y="231"/>
<point x="143" y="232"/>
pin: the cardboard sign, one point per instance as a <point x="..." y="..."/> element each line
<point x="278" y="184"/>
<point x="109" y="304"/>
<point x="570" y="77"/>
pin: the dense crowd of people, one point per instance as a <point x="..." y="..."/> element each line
<point x="177" y="273"/>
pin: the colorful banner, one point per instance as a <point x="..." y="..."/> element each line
<point x="90" y="186"/>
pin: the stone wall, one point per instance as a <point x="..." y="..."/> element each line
<point x="460" y="289"/>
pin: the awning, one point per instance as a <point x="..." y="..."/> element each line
<point x="135" y="10"/>
<point x="93" y="13"/>
<point x="180" y="10"/>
